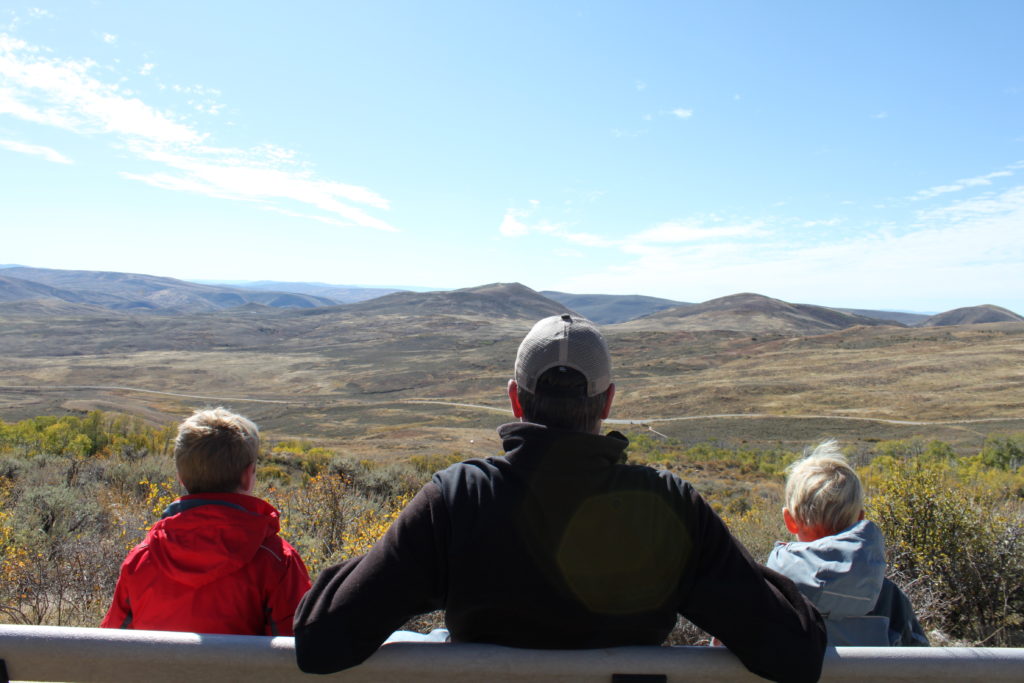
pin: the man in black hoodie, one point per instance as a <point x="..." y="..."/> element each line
<point x="559" y="543"/>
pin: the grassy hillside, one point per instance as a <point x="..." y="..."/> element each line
<point x="396" y="383"/>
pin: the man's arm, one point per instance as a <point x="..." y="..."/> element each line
<point x="355" y="605"/>
<point x="757" y="613"/>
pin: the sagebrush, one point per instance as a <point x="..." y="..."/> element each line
<point x="76" y="493"/>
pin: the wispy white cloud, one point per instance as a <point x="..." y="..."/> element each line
<point x="35" y="150"/>
<point x="195" y="90"/>
<point x="62" y="93"/>
<point x="146" y="69"/>
<point x="679" y="113"/>
<point x="696" y="230"/>
<point x="1010" y="202"/>
<point x="514" y="223"/>
<point x="619" y="133"/>
<point x="708" y="231"/>
<point x="306" y="216"/>
<point x="640" y="85"/>
<point x="211" y="109"/>
<point x="961" y="184"/>
<point x="829" y="223"/>
<point x="39" y="13"/>
<point x="951" y="254"/>
<point x="109" y="38"/>
<point x="66" y="94"/>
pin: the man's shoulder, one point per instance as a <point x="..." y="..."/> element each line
<point x="473" y="469"/>
<point x="654" y="477"/>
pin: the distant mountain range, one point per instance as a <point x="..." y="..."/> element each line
<point x="341" y="294"/>
<point x="42" y="292"/>
<point x="139" y="293"/>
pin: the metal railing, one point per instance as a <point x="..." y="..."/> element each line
<point x="86" y="655"/>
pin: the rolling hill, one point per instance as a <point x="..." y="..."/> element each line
<point x="753" y="313"/>
<point x="18" y="289"/>
<point x="972" y="315"/>
<point x="141" y="293"/>
<point x="341" y="294"/>
<point x="498" y="300"/>
<point x="903" y="318"/>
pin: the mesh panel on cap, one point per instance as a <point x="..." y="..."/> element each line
<point x="563" y="340"/>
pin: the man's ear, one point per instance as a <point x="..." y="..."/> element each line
<point x="791" y="524"/>
<point x="609" y="395"/>
<point x="513" y="397"/>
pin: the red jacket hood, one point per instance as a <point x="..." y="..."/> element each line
<point x="205" y="536"/>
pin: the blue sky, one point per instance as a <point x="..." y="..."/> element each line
<point x="866" y="154"/>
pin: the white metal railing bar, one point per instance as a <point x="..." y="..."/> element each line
<point x="87" y="655"/>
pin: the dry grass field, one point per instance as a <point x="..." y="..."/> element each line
<point x="845" y="384"/>
<point x="381" y="385"/>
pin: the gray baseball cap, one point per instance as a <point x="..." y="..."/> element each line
<point x="568" y="341"/>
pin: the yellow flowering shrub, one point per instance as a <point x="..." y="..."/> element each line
<point x="367" y="528"/>
<point x="961" y="545"/>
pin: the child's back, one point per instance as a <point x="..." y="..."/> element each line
<point x="842" y="575"/>
<point x="214" y="563"/>
<point x="842" y="572"/>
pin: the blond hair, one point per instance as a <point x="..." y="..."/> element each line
<point x="822" y="490"/>
<point x="213" y="449"/>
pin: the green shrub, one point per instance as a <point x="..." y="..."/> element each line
<point x="1003" y="452"/>
<point x="961" y="543"/>
<point x="426" y="465"/>
<point x="271" y="475"/>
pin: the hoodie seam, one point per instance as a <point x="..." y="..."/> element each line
<point x="276" y="556"/>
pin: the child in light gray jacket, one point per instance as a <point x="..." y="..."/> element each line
<point x="838" y="560"/>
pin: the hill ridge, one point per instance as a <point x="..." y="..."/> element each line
<point x="972" y="315"/>
<point x="499" y="299"/>
<point x="754" y="313"/>
<point x="142" y="293"/>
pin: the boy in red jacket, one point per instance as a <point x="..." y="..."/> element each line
<point x="214" y="562"/>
